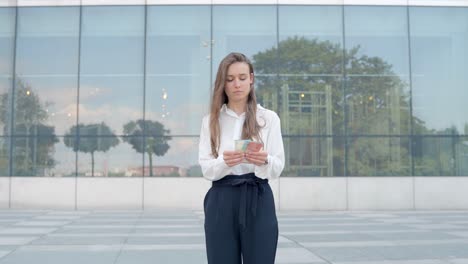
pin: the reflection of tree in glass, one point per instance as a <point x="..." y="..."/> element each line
<point x="156" y="137"/>
<point x="93" y="137"/>
<point x="440" y="155"/>
<point x="34" y="146"/>
<point x="310" y="99"/>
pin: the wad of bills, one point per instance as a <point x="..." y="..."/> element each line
<point x="247" y="145"/>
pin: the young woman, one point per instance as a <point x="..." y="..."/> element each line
<point x="240" y="217"/>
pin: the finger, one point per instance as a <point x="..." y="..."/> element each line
<point x="256" y="161"/>
<point x="256" y="156"/>
<point x="235" y="161"/>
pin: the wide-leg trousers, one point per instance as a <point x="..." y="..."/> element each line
<point x="240" y="221"/>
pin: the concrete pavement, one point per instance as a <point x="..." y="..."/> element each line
<point x="175" y="236"/>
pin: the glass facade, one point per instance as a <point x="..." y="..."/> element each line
<point x="120" y="91"/>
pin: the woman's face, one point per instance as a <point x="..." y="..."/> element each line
<point x="238" y="81"/>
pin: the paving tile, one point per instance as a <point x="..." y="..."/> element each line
<point x="171" y="236"/>
<point x="344" y="254"/>
<point x="4" y="253"/>
<point x="16" y="240"/>
<point x="296" y="255"/>
<point x="26" y="230"/>
<point x="458" y="261"/>
<point x="79" y="240"/>
<point x="331" y="237"/>
<point x="197" y="256"/>
<point x="166" y="240"/>
<point x="424" y="261"/>
<point x="36" y="223"/>
<point x="72" y="257"/>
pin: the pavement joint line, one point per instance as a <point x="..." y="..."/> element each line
<point x="127" y="237"/>
<point x="303" y="247"/>
<point x="19" y="247"/>
<point x="424" y="233"/>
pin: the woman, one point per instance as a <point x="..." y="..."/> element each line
<point x="240" y="217"/>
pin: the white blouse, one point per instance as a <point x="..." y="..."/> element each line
<point x="231" y="129"/>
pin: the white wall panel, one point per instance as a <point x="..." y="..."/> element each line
<point x="313" y="193"/>
<point x="380" y="193"/>
<point x="441" y="193"/>
<point x="4" y="192"/>
<point x="186" y="193"/>
<point x="42" y="193"/>
<point x="110" y="193"/>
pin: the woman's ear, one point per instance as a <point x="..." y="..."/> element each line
<point x="252" y="78"/>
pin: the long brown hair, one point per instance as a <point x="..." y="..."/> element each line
<point x="251" y="128"/>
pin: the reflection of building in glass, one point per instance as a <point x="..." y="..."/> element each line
<point x="306" y="115"/>
<point x="357" y="94"/>
<point x="361" y="90"/>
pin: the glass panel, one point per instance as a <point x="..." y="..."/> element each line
<point x="377" y="90"/>
<point x="109" y="156"/>
<point x="111" y="80"/>
<point x="4" y="156"/>
<point x="7" y="40"/>
<point x="178" y="67"/>
<point x="269" y="93"/>
<point x="435" y="156"/>
<point x="461" y="156"/>
<point x="46" y="69"/>
<point x="42" y="156"/>
<point x="246" y="29"/>
<point x="439" y="41"/>
<point x="310" y="62"/>
<point x="310" y="42"/>
<point x="313" y="156"/>
<point x="180" y="160"/>
<point x="306" y="106"/>
<point x="155" y="140"/>
<point x="377" y="106"/>
<point x="381" y="35"/>
<point x="379" y="156"/>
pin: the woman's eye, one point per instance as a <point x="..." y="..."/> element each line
<point x="230" y="80"/>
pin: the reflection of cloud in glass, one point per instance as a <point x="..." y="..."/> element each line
<point x="117" y="160"/>
<point x="58" y="97"/>
<point x="184" y="112"/>
<point x="114" y="117"/>
<point x="65" y="161"/>
<point x="62" y="110"/>
<point x="4" y="85"/>
<point x="183" y="153"/>
<point x="5" y="66"/>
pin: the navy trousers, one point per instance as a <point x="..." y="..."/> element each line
<point x="240" y="221"/>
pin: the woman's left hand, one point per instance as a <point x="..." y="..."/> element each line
<point x="258" y="158"/>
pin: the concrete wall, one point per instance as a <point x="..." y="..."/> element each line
<point x="301" y="193"/>
<point x="4" y="192"/>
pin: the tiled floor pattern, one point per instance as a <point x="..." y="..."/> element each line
<point x="172" y="237"/>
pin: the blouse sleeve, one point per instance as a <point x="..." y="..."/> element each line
<point x="274" y="147"/>
<point x="212" y="168"/>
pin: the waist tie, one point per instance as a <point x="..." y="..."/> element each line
<point x="243" y="181"/>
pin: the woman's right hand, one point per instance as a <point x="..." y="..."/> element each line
<point x="233" y="158"/>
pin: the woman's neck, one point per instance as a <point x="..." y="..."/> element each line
<point x="237" y="107"/>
